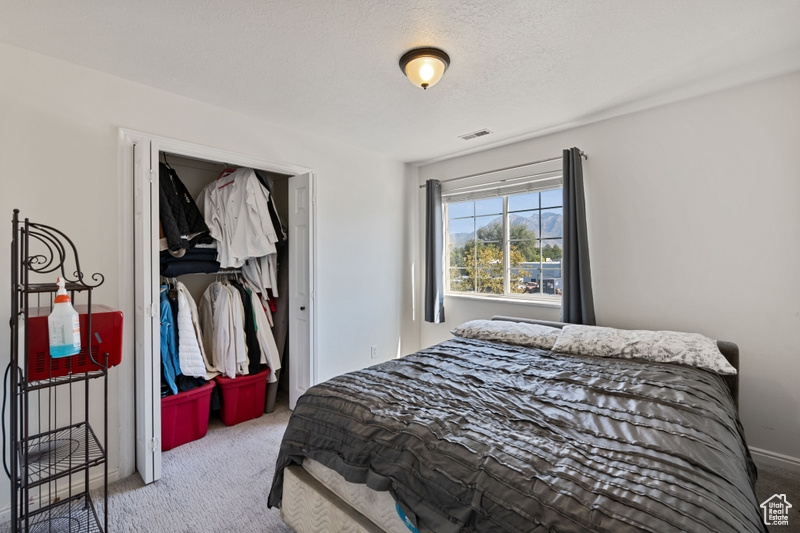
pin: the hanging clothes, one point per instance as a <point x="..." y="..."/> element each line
<point x="239" y="344"/>
<point x="268" y="183"/>
<point x="236" y="332"/>
<point x="242" y="220"/>
<point x="250" y="330"/>
<point x="215" y="321"/>
<point x="269" y="350"/>
<point x="170" y="364"/>
<point x="261" y="273"/>
<point x="236" y="211"/>
<point x="222" y="322"/>
<point x="191" y="351"/>
<point x="181" y="221"/>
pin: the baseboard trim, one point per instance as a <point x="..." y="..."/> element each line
<point x="95" y="482"/>
<point x="787" y="460"/>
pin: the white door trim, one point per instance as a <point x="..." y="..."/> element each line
<point x="127" y="191"/>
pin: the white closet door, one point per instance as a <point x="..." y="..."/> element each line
<point x="301" y="291"/>
<point x="148" y="316"/>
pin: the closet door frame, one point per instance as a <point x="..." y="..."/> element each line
<point x="138" y="155"/>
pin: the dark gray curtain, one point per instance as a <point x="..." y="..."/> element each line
<point x="434" y="247"/>
<point x="577" y="304"/>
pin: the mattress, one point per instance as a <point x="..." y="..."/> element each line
<point x="311" y="508"/>
<point x="377" y="507"/>
<point x="475" y="435"/>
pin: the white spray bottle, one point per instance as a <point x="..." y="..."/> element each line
<point x="64" y="325"/>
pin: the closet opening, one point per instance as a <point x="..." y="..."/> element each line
<point x="196" y="268"/>
<point x="284" y="292"/>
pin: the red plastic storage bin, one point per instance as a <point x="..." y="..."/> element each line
<point x="184" y="416"/>
<point x="243" y="397"/>
<point x="106" y="337"/>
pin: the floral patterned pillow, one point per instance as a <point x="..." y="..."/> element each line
<point x="660" y="346"/>
<point x="532" y="335"/>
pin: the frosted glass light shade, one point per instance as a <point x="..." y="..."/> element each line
<point x="424" y="67"/>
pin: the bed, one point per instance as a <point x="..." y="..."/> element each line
<point x="480" y="434"/>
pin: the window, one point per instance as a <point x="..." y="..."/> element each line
<point x="506" y="245"/>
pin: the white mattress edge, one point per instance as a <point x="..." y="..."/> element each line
<point x="377" y="506"/>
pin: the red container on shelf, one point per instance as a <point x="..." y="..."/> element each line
<point x="243" y="397"/>
<point x="106" y="337"/>
<point x="184" y="416"/>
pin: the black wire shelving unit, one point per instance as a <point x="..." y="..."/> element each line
<point x="54" y="450"/>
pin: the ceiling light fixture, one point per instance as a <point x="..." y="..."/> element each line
<point x="424" y="66"/>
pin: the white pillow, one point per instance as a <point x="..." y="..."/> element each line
<point x="532" y="335"/>
<point x="660" y="346"/>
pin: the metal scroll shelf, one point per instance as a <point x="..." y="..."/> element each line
<point x="60" y="452"/>
<point x="76" y="514"/>
<point x="53" y="444"/>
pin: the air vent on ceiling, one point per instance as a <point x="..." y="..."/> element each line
<point x="474" y="134"/>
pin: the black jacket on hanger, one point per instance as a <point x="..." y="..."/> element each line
<point x="180" y="218"/>
<point x="266" y="181"/>
<point x="251" y="338"/>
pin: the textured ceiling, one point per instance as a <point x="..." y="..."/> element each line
<point x="519" y="67"/>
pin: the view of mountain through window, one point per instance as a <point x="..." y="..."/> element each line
<point x="506" y="245"/>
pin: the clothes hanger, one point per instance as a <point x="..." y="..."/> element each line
<point x="172" y="286"/>
<point x="228" y="170"/>
<point x="166" y="163"/>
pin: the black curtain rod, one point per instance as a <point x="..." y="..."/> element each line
<point x="506" y="168"/>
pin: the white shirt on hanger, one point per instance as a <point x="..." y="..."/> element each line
<point x="217" y="323"/>
<point x="236" y="210"/>
<point x="269" y="349"/>
<point x="238" y="340"/>
<point x="262" y="274"/>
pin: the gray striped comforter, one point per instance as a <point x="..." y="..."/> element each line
<point x="482" y="436"/>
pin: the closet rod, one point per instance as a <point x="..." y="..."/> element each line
<point x="478" y="174"/>
<point x="208" y="162"/>
<point x="220" y="272"/>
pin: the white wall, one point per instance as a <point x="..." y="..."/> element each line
<point x="59" y="164"/>
<point x="694" y="225"/>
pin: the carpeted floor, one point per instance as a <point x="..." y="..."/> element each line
<point x="775" y="478"/>
<point x="220" y="483"/>
<point x="214" y="485"/>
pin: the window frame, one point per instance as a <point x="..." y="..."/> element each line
<point x="507" y="296"/>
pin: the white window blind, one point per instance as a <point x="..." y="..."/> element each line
<point x="515" y="181"/>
